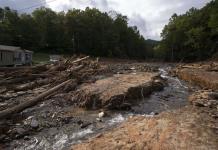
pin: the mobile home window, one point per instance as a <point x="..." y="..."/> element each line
<point x="1" y="56"/>
<point x="17" y="56"/>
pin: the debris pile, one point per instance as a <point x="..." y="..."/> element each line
<point x="35" y="100"/>
<point x="130" y="68"/>
<point x="41" y="81"/>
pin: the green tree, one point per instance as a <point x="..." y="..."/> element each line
<point x="88" y="31"/>
<point x="191" y="36"/>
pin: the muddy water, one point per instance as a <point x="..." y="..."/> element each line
<point x="62" y="137"/>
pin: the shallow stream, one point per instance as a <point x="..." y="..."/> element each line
<point x="174" y="96"/>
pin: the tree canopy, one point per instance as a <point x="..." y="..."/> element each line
<point x="191" y="36"/>
<point x="88" y="31"/>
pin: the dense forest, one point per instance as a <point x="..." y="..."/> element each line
<point x="191" y="36"/>
<point x="89" y="32"/>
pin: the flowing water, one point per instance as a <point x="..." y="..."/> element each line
<point x="174" y="96"/>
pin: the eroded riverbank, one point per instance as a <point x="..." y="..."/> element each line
<point x="186" y="128"/>
<point x="194" y="126"/>
<point x="58" y="124"/>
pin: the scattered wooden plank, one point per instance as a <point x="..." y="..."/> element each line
<point x="79" y="60"/>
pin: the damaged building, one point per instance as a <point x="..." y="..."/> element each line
<point x="13" y="56"/>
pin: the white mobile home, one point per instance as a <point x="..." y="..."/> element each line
<point x="12" y="56"/>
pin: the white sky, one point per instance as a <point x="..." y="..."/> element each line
<point x="149" y="16"/>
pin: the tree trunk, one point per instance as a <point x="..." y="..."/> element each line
<point x="8" y="112"/>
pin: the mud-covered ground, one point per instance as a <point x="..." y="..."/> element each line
<point x="185" y="128"/>
<point x="194" y="126"/>
<point x="59" y="124"/>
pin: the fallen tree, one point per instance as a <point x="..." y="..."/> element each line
<point x="8" y="112"/>
<point x="53" y="78"/>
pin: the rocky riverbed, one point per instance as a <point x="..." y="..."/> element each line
<point x="150" y="108"/>
<point x="61" y="119"/>
<point x="193" y="126"/>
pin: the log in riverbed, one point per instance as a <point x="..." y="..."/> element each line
<point x="104" y="96"/>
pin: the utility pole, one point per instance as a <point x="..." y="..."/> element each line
<point x="172" y="55"/>
<point x="3" y="15"/>
<point x="73" y="39"/>
<point x="3" y="18"/>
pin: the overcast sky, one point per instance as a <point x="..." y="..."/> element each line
<point x="149" y="16"/>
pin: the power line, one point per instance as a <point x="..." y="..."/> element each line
<point x="37" y="5"/>
<point x="10" y="1"/>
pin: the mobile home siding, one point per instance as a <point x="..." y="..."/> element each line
<point x="6" y="58"/>
<point x="11" y="55"/>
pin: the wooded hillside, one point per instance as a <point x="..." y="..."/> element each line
<point x="191" y="36"/>
<point x="89" y="32"/>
